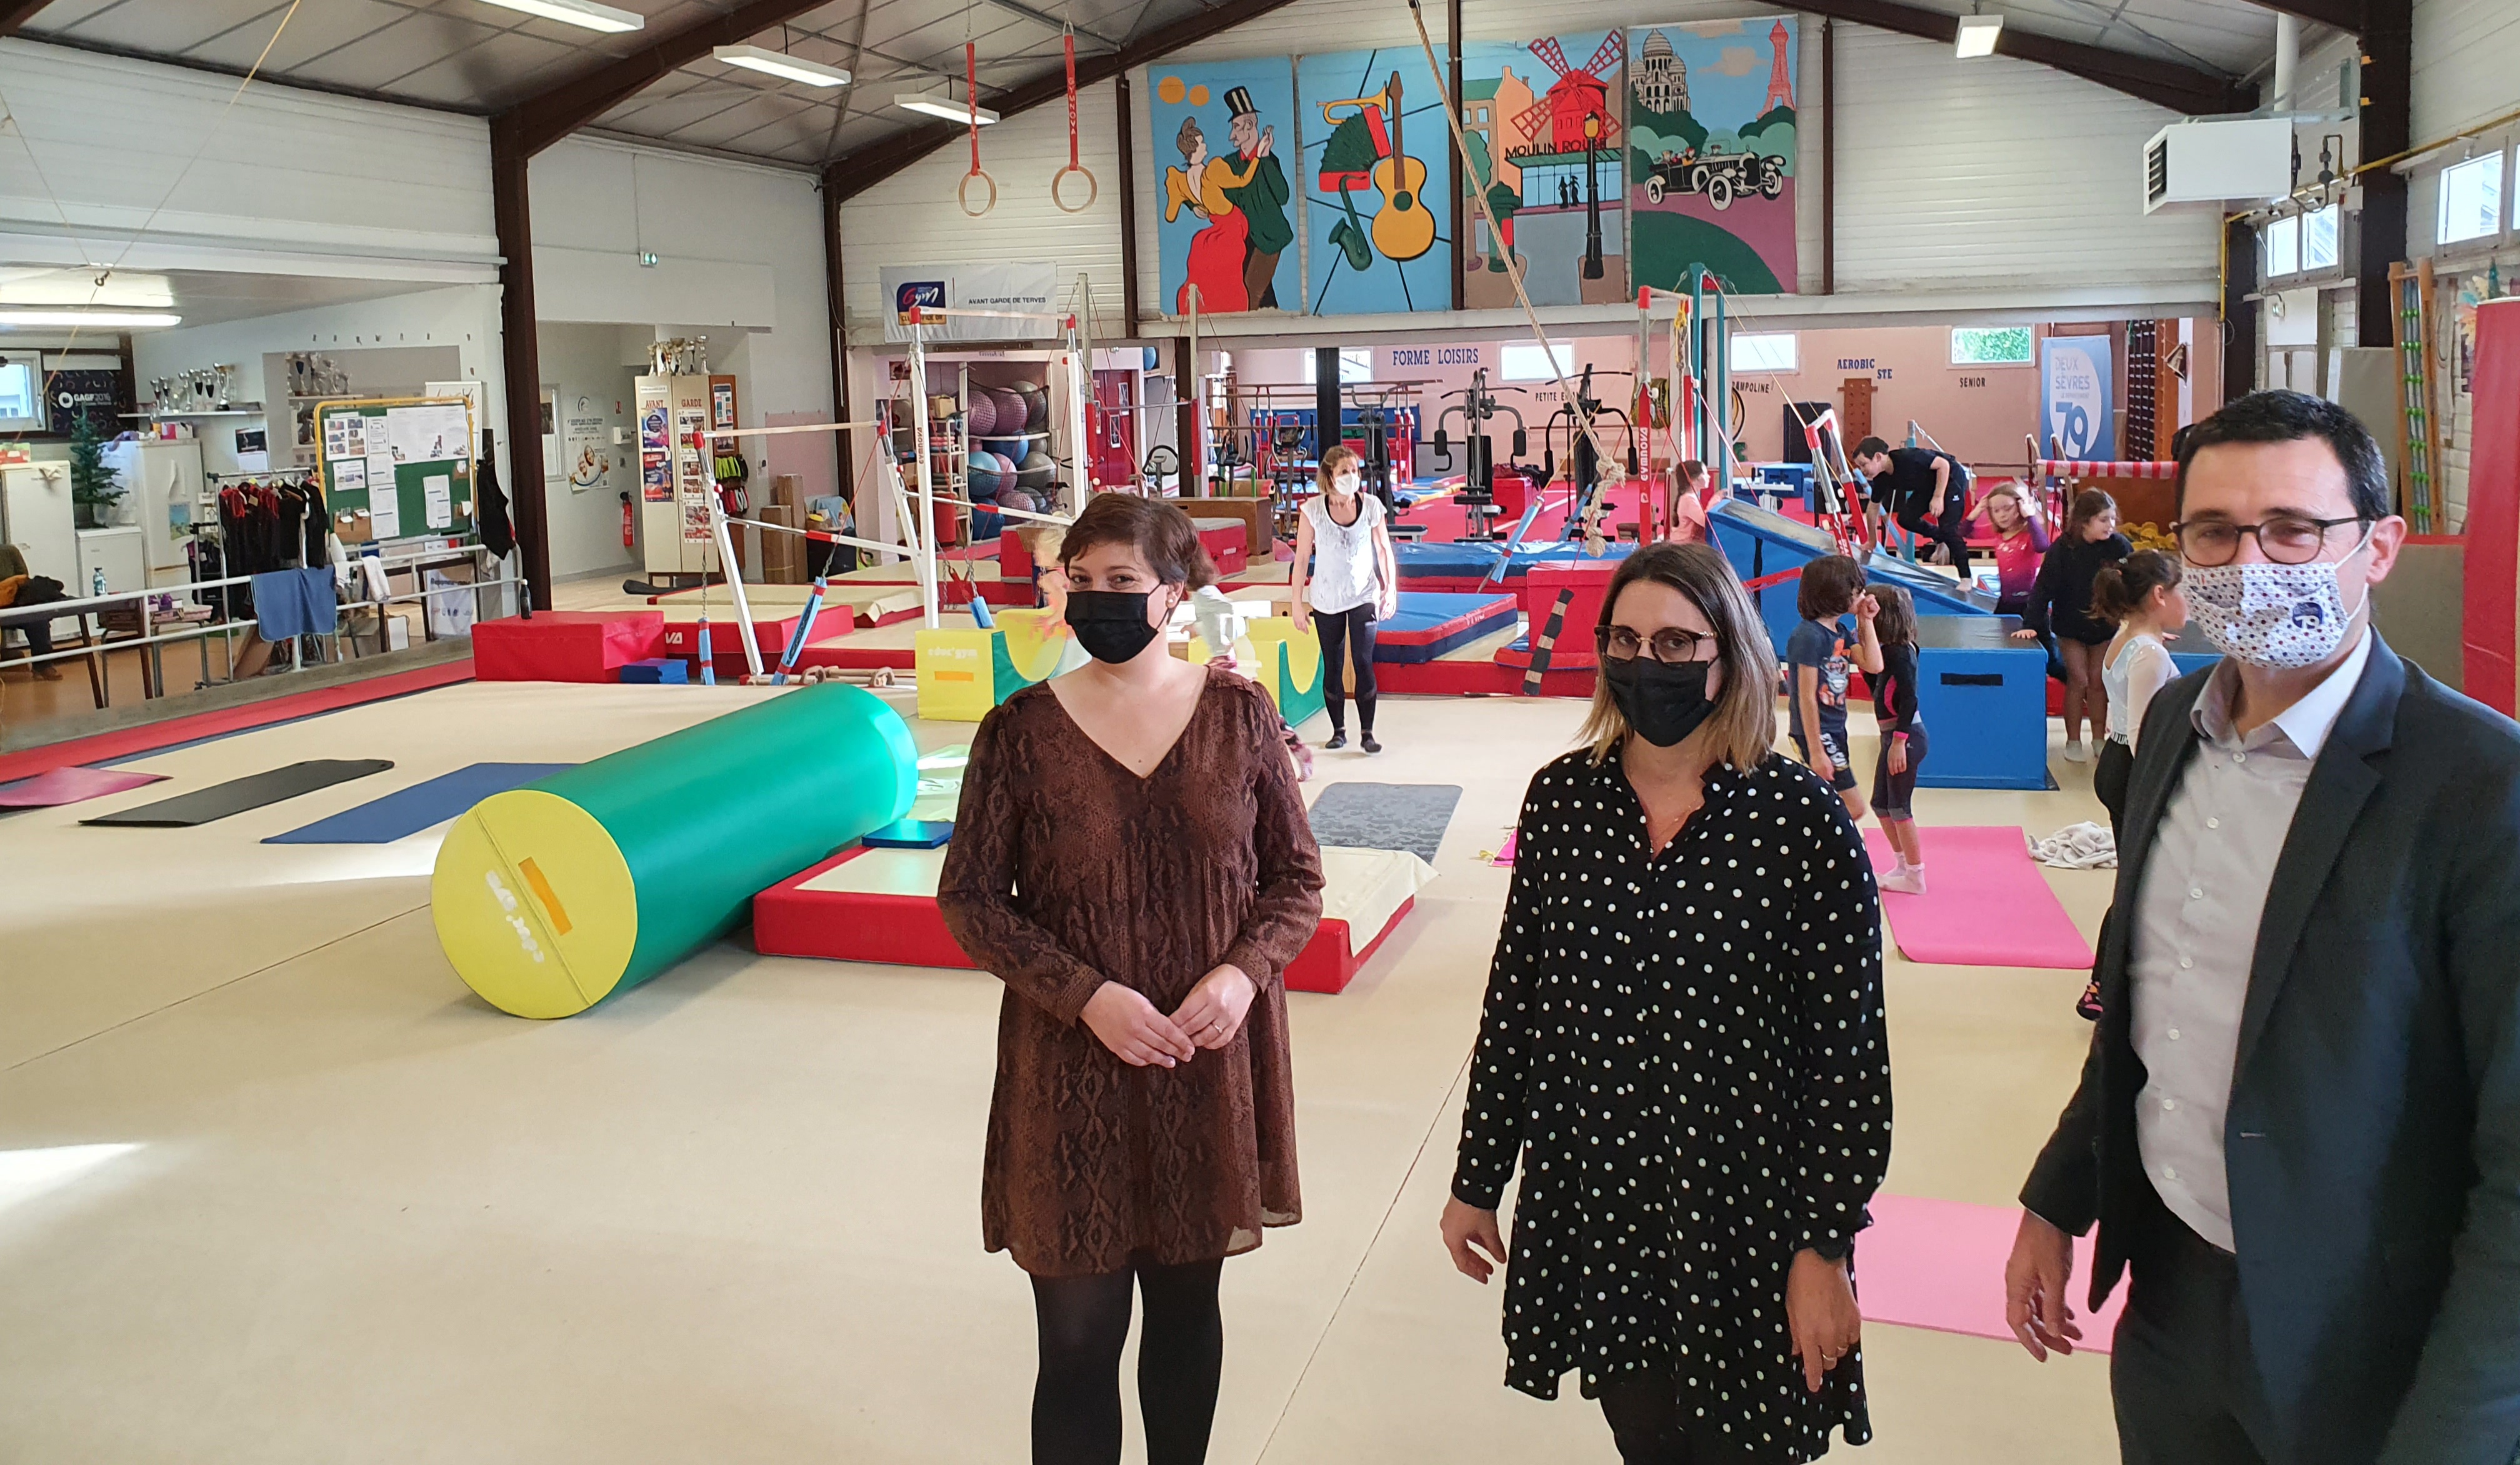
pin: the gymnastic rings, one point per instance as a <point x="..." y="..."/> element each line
<point x="963" y="193"/>
<point x="1093" y="188"/>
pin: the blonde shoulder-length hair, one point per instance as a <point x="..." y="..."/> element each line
<point x="1744" y="724"/>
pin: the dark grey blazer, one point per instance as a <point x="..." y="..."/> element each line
<point x="2373" y="1138"/>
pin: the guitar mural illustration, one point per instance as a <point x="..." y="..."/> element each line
<point x="1377" y="244"/>
<point x="1405" y="228"/>
<point x="1365" y="151"/>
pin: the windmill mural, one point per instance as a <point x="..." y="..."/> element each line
<point x="1710" y="153"/>
<point x="1547" y="139"/>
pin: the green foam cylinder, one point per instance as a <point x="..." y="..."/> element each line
<point x="552" y="896"/>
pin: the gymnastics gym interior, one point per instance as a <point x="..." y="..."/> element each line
<point x="517" y="510"/>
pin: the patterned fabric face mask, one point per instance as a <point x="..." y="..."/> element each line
<point x="2273" y="615"/>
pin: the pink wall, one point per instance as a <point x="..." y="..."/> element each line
<point x="1978" y="412"/>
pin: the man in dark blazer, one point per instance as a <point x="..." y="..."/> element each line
<point x="2299" y="1124"/>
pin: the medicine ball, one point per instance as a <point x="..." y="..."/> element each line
<point x="980" y="417"/>
<point x="1037" y="471"/>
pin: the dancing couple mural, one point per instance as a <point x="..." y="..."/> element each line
<point x="1237" y="202"/>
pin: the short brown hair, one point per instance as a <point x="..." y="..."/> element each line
<point x="1828" y="586"/>
<point x="1154" y="528"/>
<point x="1744" y="724"/>
<point x="1339" y="453"/>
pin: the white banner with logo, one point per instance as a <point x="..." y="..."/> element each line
<point x="1026" y="288"/>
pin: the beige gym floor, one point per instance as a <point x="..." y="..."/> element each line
<point x="733" y="1214"/>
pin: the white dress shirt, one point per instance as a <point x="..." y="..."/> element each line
<point x="2196" y="928"/>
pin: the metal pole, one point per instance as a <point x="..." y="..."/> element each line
<point x="923" y="539"/>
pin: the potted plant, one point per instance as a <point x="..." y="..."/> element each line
<point x="94" y="487"/>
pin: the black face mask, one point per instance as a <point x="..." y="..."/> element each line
<point x="1110" y="624"/>
<point x="1664" y="702"/>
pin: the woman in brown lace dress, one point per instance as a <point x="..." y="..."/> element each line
<point x="1132" y="858"/>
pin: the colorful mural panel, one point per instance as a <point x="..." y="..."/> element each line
<point x="1224" y="137"/>
<point x="1711" y="152"/>
<point x="1377" y="183"/>
<point x="1544" y="122"/>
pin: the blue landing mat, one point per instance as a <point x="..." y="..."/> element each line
<point x="411" y="810"/>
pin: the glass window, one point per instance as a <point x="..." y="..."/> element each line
<point x="1356" y="365"/>
<point x="1530" y="363"/>
<point x="18" y="389"/>
<point x="2471" y="199"/>
<point x="1998" y="345"/>
<point x="1771" y="351"/>
<point x="2283" y="246"/>
<point x="2318" y="239"/>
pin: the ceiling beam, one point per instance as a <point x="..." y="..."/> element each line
<point x="1045" y="18"/>
<point x="2181" y="89"/>
<point x="856" y="172"/>
<point x="541" y="121"/>
<point x="2349" y="16"/>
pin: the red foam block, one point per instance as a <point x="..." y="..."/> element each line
<point x="566" y="645"/>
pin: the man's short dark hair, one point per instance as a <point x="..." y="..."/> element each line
<point x="1870" y="446"/>
<point x="2284" y="417"/>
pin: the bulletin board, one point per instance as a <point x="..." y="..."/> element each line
<point x="396" y="467"/>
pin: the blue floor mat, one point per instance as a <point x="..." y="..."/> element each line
<point x="409" y="811"/>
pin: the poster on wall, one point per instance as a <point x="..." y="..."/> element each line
<point x="1542" y="120"/>
<point x="2076" y="414"/>
<point x="1026" y="288"/>
<point x="1711" y="153"/>
<point x="590" y="454"/>
<point x="1224" y="138"/>
<point x="1377" y="180"/>
<point x="96" y="396"/>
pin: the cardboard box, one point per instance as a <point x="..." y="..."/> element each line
<point x="782" y="556"/>
<point x="788" y="490"/>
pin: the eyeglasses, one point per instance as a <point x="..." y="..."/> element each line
<point x="2284" y="537"/>
<point x="1671" y="644"/>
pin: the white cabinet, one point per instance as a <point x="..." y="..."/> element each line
<point x="35" y="516"/>
<point x="165" y="495"/>
<point x="118" y="552"/>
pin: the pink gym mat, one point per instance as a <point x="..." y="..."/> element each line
<point x="1939" y="1264"/>
<point x="69" y="786"/>
<point x="1985" y="903"/>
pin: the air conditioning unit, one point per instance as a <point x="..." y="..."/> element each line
<point x="2233" y="159"/>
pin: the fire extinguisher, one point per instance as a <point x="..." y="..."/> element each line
<point x="626" y="540"/>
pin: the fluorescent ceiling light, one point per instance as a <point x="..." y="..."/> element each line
<point x="944" y="107"/>
<point x="584" y="12"/>
<point x="782" y="64"/>
<point x="123" y="318"/>
<point x="122" y="291"/>
<point x="1978" y="34"/>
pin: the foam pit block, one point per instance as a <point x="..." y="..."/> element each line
<point x="566" y="646"/>
<point x="880" y="906"/>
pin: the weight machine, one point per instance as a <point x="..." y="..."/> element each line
<point x="1478" y="407"/>
<point x="1584" y="457"/>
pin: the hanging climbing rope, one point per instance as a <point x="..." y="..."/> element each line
<point x="1093" y="188"/>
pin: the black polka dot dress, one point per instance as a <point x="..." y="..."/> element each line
<point x="1685" y="1054"/>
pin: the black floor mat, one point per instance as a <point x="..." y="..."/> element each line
<point x="237" y="795"/>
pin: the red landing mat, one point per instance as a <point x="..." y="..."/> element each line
<point x="1939" y="1264"/>
<point x="131" y="742"/>
<point x="1985" y="903"/>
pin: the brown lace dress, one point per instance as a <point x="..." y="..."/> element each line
<point x="1068" y="870"/>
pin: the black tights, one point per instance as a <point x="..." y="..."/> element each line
<point x="1181" y="1352"/>
<point x="1348" y="628"/>
<point x="1645" y="1420"/>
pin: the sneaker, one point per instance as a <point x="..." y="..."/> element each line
<point x="1904" y="881"/>
<point x="1369" y="744"/>
<point x="1339" y="740"/>
<point x="2075" y="752"/>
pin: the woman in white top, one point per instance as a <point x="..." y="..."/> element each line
<point x="1345" y="580"/>
<point x="2141" y="595"/>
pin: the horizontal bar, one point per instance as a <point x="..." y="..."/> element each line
<point x="776" y="431"/>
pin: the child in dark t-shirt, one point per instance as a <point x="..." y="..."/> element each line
<point x="1817" y="656"/>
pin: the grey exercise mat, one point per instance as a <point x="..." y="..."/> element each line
<point x="204" y="805"/>
<point x="1407" y="816"/>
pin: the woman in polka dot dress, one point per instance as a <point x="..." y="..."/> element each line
<point x="1684" y="1048"/>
